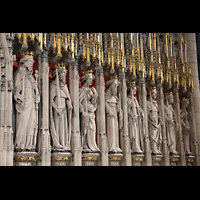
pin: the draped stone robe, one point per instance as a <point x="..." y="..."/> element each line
<point x="113" y="124"/>
<point x="60" y="126"/>
<point x="88" y="125"/>
<point x="185" y="124"/>
<point x="26" y="125"/>
<point x="154" y="125"/>
<point x="170" y="128"/>
<point x="135" y="127"/>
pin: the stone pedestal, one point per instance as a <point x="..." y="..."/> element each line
<point x="115" y="159"/>
<point x="156" y="160"/>
<point x="90" y="159"/>
<point x="190" y="160"/>
<point x="25" y="158"/>
<point x="174" y="160"/>
<point x="137" y="159"/>
<point x="61" y="159"/>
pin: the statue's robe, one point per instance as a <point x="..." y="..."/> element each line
<point x="26" y="125"/>
<point x="135" y="127"/>
<point x="170" y="129"/>
<point x="60" y="126"/>
<point x="112" y="122"/>
<point x="154" y="125"/>
<point x="88" y="125"/>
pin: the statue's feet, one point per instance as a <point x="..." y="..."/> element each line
<point x="189" y="154"/>
<point x="173" y="153"/>
<point x="137" y="151"/>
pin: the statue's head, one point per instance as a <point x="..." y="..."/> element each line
<point x="153" y="92"/>
<point x="27" y="61"/>
<point x="184" y="103"/>
<point x="132" y="88"/>
<point x="87" y="78"/>
<point x="112" y="85"/>
<point x="62" y="75"/>
<point x="27" y="64"/>
<point x="169" y="97"/>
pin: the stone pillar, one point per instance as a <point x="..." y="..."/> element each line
<point x="165" y="152"/>
<point x="180" y="145"/>
<point x="44" y="137"/>
<point x="192" y="56"/>
<point x="193" y="133"/>
<point x="143" y="104"/>
<point x="126" y="141"/>
<point x="101" y="122"/>
<point x="74" y="92"/>
<point x="6" y="149"/>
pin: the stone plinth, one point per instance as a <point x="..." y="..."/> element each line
<point x="190" y="160"/>
<point x="61" y="159"/>
<point x="137" y="159"/>
<point x="174" y="160"/>
<point x="90" y="159"/>
<point x="156" y="160"/>
<point x="115" y="159"/>
<point x="25" y="158"/>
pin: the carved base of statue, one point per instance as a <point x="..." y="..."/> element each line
<point x="137" y="159"/>
<point x="26" y="158"/>
<point x="174" y="160"/>
<point x="190" y="160"/>
<point x="156" y="160"/>
<point x="61" y="159"/>
<point x="115" y="159"/>
<point x="90" y="159"/>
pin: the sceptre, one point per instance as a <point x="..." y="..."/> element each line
<point x="36" y="108"/>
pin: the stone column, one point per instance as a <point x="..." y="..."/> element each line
<point x="193" y="132"/>
<point x="126" y="141"/>
<point x="180" y="145"/>
<point x="44" y="147"/>
<point x="74" y="92"/>
<point x="165" y="152"/>
<point x="101" y="122"/>
<point x="192" y="56"/>
<point x="143" y="104"/>
<point x="6" y="147"/>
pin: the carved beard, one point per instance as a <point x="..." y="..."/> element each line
<point x="63" y="80"/>
<point x="114" y="92"/>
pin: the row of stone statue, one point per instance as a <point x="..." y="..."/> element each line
<point x="27" y="97"/>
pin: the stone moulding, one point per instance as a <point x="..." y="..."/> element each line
<point x="115" y="159"/>
<point x="137" y="159"/>
<point x="25" y="159"/>
<point x="89" y="158"/>
<point x="57" y="159"/>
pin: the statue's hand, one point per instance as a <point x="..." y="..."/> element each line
<point x="94" y="91"/>
<point x="111" y="114"/>
<point x="69" y="105"/>
<point x="20" y="99"/>
<point x="37" y="99"/>
<point x="59" y="111"/>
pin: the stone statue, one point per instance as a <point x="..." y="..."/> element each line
<point x="112" y="110"/>
<point x="88" y="105"/>
<point x="171" y="123"/>
<point x="154" y="122"/>
<point x="185" y="125"/>
<point x="60" y="112"/>
<point x="135" y="120"/>
<point x="26" y="98"/>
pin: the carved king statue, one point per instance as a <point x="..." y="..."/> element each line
<point x="154" y="122"/>
<point x="171" y="123"/>
<point x="112" y="110"/>
<point x="185" y="125"/>
<point x="26" y="97"/>
<point x="60" y="111"/>
<point x="88" y="105"/>
<point x="135" y="120"/>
